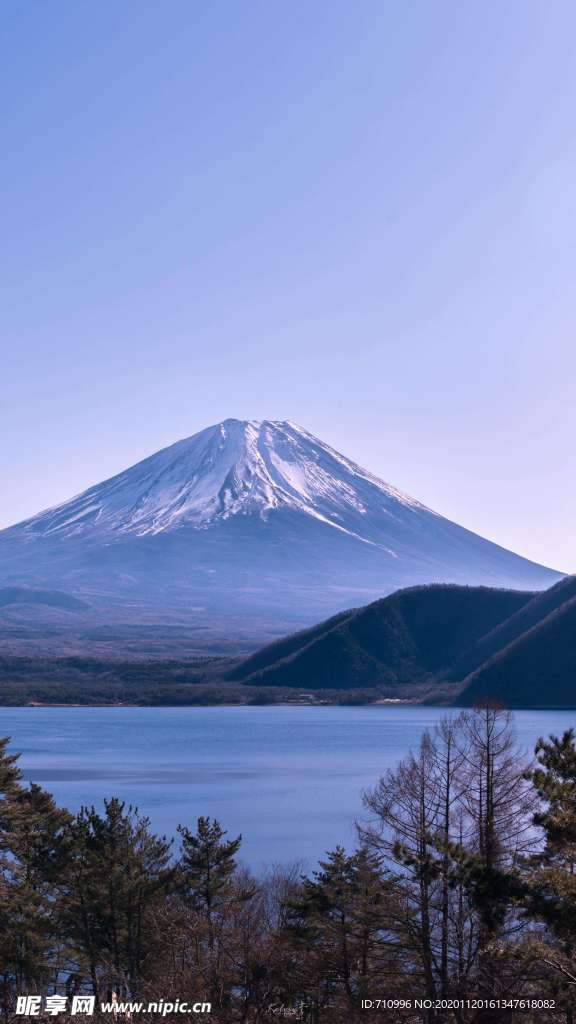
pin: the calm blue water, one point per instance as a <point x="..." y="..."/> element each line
<point x="288" y="778"/>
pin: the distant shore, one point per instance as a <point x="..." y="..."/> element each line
<point x="392" y="701"/>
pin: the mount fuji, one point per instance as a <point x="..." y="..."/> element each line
<point x="248" y="519"/>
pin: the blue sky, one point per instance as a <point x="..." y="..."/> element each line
<point x="360" y="216"/>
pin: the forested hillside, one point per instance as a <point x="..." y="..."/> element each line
<point x="536" y="670"/>
<point x="412" y="636"/>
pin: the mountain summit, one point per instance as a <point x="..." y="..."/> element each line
<point x="238" y="467"/>
<point x="250" y="517"/>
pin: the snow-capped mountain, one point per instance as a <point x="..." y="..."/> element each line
<point x="256" y="515"/>
<point x="233" y="468"/>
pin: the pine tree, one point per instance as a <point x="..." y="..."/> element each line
<point x="32" y="830"/>
<point x="211" y="892"/>
<point x="207" y="866"/>
<point x="116" y="872"/>
<point x="551" y="894"/>
<point x="341" y="931"/>
<point x="10" y="774"/>
<point x="9" y="787"/>
<point x="37" y="851"/>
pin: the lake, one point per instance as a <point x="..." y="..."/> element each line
<point x="289" y="778"/>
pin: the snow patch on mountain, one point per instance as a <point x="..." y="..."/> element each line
<point x="234" y="468"/>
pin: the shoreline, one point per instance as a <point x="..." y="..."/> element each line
<point x="395" y="702"/>
<point x="277" y="704"/>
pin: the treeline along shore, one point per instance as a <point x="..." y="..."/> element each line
<point x="461" y="893"/>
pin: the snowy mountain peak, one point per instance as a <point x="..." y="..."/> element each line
<point x="236" y="467"/>
<point x="243" y="518"/>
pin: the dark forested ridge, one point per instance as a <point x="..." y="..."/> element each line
<point x="441" y="643"/>
<point x="461" y="890"/>
<point x="536" y="670"/>
<point x="412" y="636"/>
<point x="529" y="615"/>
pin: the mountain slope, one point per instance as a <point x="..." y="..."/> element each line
<point x="536" y="670"/>
<point x="233" y="468"/>
<point x="51" y="598"/>
<point x="243" y="519"/>
<point x="410" y="637"/>
<point x="505" y="633"/>
<point x="438" y="643"/>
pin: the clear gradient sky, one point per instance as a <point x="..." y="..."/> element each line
<point x="357" y="215"/>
